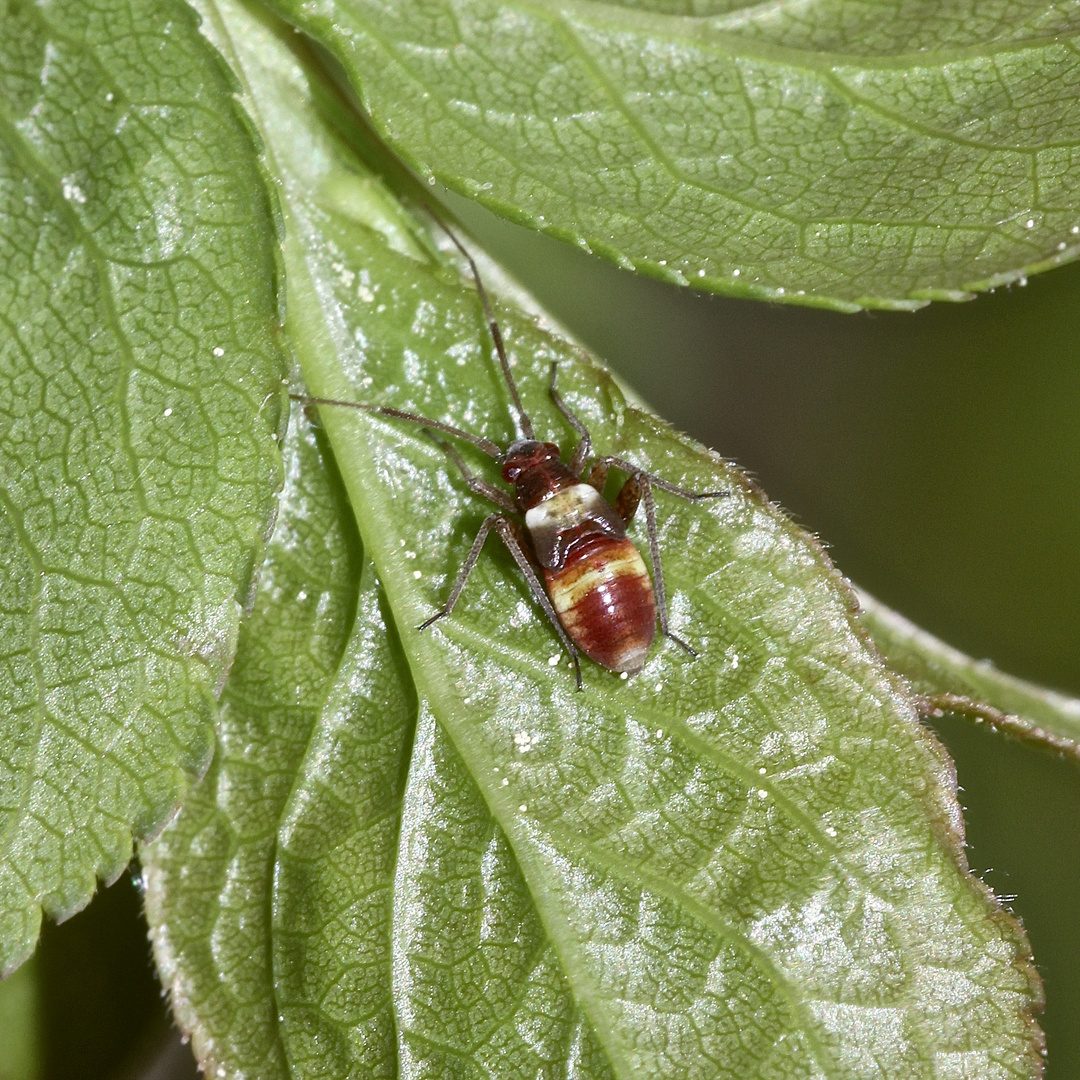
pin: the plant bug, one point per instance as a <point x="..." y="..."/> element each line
<point x="581" y="568"/>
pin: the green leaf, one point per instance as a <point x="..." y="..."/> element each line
<point x="748" y="864"/>
<point x="140" y="399"/>
<point x="826" y="153"/>
<point x="211" y="875"/>
<point x="953" y="682"/>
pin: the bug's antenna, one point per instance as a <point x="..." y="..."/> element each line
<point x="486" y="445"/>
<point x="493" y="326"/>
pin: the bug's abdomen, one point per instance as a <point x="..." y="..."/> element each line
<point x="604" y="599"/>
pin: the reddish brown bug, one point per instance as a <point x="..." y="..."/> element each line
<point x="595" y="589"/>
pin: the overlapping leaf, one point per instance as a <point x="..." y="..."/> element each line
<point x="747" y="864"/>
<point x="823" y="152"/>
<point x="211" y="876"/>
<point x="951" y="680"/>
<point x="139" y="390"/>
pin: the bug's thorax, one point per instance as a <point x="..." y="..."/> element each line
<point x="536" y="471"/>
<point x="559" y="508"/>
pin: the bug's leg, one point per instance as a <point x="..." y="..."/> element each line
<point x="644" y="492"/>
<point x="597" y="477"/>
<point x="585" y="441"/>
<point x="510" y="534"/>
<point x="486" y="445"/>
<point x="493" y="325"/>
<point x="639" y="487"/>
<point x="466" y="569"/>
<point x="477" y="486"/>
<point x="631" y="469"/>
<point x="626" y="502"/>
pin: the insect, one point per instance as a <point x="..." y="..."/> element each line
<point x="582" y="569"/>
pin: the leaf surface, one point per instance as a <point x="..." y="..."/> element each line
<point x="819" y="152"/>
<point x="748" y="864"/>
<point x="139" y="389"/>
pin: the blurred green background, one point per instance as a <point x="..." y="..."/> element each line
<point x="938" y="455"/>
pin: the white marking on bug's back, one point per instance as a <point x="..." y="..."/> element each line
<point x="565" y="509"/>
<point x="627" y="564"/>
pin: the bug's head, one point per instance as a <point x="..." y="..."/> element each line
<point x="522" y="456"/>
